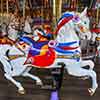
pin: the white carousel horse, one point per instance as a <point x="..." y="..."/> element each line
<point x="96" y="38"/>
<point x="13" y="29"/>
<point x="17" y="58"/>
<point x="27" y="27"/>
<point x="66" y="33"/>
<point x="13" y="66"/>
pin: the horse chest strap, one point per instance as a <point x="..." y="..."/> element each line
<point x="13" y="57"/>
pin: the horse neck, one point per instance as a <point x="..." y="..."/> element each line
<point x="67" y="34"/>
<point x="27" y="27"/>
<point x="16" y="51"/>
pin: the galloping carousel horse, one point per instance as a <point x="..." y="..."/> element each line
<point x="13" y="29"/>
<point x="96" y="39"/>
<point x="3" y="36"/>
<point x="16" y="28"/>
<point x="27" y="53"/>
<point x="25" y="26"/>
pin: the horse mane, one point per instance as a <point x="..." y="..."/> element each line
<point x="66" y="15"/>
<point x="65" y="18"/>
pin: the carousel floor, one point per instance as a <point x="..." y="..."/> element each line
<point x="72" y="89"/>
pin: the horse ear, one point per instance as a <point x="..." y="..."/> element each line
<point x="84" y="13"/>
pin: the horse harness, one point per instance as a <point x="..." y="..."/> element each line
<point x="13" y="57"/>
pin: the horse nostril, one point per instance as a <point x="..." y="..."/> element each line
<point x="81" y="28"/>
<point x="85" y="36"/>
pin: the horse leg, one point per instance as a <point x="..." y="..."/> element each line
<point x="78" y="71"/>
<point x="27" y="74"/>
<point x="19" y="86"/>
<point x="89" y="63"/>
<point x="8" y="73"/>
<point x="92" y="90"/>
<point x="6" y="64"/>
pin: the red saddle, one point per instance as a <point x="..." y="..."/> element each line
<point x="42" y="61"/>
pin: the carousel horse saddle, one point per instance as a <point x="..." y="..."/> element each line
<point x="43" y="53"/>
<point x="42" y="60"/>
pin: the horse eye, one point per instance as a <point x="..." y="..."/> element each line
<point x="76" y="19"/>
<point x="84" y="22"/>
<point x="24" y="46"/>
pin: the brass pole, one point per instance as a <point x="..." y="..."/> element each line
<point x="7" y="5"/>
<point x="1" y="11"/>
<point x="97" y="16"/>
<point x="24" y="3"/>
<point x="30" y="7"/>
<point x="54" y="15"/>
<point x="1" y="6"/>
<point x="57" y="10"/>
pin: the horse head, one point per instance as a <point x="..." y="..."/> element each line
<point x="82" y="23"/>
<point x="73" y="22"/>
<point x="39" y="35"/>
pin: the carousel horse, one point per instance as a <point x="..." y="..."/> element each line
<point x="19" y="58"/>
<point x="12" y="29"/>
<point x="27" y="27"/>
<point x="96" y="40"/>
<point x="17" y="29"/>
<point x="60" y="38"/>
<point x="3" y="36"/>
<point x="66" y="34"/>
<point x="93" y="43"/>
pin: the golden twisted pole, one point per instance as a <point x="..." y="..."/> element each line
<point x="97" y="15"/>
<point x="24" y="3"/>
<point x="1" y="11"/>
<point x="7" y="8"/>
<point x="57" y="10"/>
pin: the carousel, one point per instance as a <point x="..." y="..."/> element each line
<point x="56" y="35"/>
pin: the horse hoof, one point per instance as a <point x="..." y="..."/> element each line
<point x="21" y="91"/>
<point x="91" y="91"/>
<point x="39" y="83"/>
<point x="84" y="78"/>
